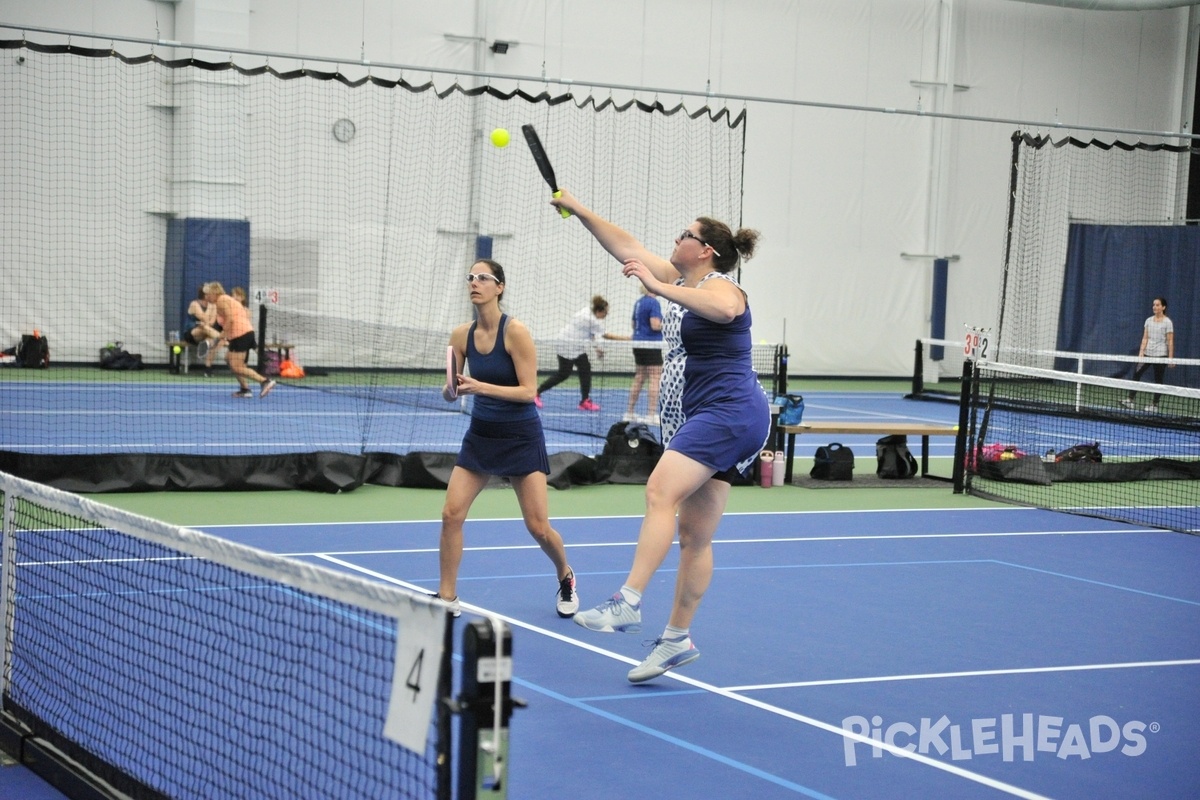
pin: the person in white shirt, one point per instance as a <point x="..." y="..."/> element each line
<point x="1158" y="342"/>
<point x="575" y="339"/>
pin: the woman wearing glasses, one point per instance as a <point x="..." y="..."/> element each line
<point x="505" y="437"/>
<point x="715" y="419"/>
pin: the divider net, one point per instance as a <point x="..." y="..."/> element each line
<point x="350" y="203"/>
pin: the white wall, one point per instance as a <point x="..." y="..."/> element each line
<point x="837" y="194"/>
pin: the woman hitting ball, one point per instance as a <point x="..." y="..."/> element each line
<point x="715" y="419"/>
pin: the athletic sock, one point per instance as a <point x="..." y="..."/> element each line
<point x="671" y="632"/>
<point x="632" y="596"/>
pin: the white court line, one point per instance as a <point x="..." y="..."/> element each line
<point x="1005" y="509"/>
<point x="970" y="674"/>
<point x="789" y="539"/>
<point x="730" y="694"/>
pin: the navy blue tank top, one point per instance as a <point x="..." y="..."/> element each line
<point x="496" y="367"/>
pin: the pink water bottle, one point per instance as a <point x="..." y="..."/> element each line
<point x="766" y="466"/>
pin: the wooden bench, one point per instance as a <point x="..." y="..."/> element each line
<point x="882" y="428"/>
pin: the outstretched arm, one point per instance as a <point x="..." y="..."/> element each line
<point x="620" y="243"/>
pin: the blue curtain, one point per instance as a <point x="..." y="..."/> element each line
<point x="1113" y="273"/>
<point x="199" y="251"/>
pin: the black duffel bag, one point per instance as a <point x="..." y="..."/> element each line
<point x="833" y="463"/>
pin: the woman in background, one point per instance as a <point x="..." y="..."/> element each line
<point x="239" y="333"/>
<point x="647" y="361"/>
<point x="1158" y="341"/>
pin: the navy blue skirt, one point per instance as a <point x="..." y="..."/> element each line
<point x="507" y="449"/>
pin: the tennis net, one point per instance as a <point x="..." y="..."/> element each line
<point x="938" y="365"/>
<point x="166" y="662"/>
<point x="1103" y="447"/>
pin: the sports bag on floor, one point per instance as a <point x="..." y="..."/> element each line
<point x="893" y="460"/>
<point x="833" y="463"/>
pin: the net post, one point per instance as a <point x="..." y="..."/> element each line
<point x="781" y="370"/>
<point x="262" y="335"/>
<point x="918" y="379"/>
<point x="445" y="714"/>
<point x="960" y="441"/>
<point x="486" y="704"/>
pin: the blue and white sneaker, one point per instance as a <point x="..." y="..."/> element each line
<point x="614" y="615"/>
<point x="667" y="654"/>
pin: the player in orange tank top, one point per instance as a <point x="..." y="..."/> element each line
<point x="235" y="323"/>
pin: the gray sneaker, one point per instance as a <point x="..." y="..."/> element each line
<point x="1152" y="408"/>
<point x="667" y="654"/>
<point x="1125" y="401"/>
<point x="266" y="389"/>
<point x="612" y="616"/>
<point x="567" y="601"/>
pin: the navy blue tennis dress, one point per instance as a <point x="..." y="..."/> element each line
<point x="505" y="438"/>
<point x="713" y="408"/>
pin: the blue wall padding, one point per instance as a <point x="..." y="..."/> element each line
<point x="199" y="251"/>
<point x="1113" y="273"/>
<point x="937" y="317"/>
<point x="483" y="247"/>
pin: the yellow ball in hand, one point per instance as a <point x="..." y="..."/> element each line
<point x="500" y="137"/>
<point x="176" y="349"/>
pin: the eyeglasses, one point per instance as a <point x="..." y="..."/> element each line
<point x="687" y="234"/>
<point x="482" y="277"/>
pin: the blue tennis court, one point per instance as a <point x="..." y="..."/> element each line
<point x="198" y="417"/>
<point x="935" y="653"/>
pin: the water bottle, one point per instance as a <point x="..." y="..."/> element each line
<point x="777" y="469"/>
<point x="766" y="468"/>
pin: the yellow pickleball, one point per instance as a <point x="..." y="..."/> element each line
<point x="176" y="349"/>
<point x="500" y="137"/>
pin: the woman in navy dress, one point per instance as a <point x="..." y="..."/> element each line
<point x="715" y="419"/>
<point x="505" y="437"/>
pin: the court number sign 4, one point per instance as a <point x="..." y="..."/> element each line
<point x="419" y="638"/>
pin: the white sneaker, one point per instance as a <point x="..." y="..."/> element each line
<point x="667" y="654"/>
<point x="1152" y="408"/>
<point x="568" y="599"/>
<point x="454" y="605"/>
<point x="612" y="616"/>
<point x="630" y="417"/>
<point x="650" y="419"/>
<point x="1125" y="401"/>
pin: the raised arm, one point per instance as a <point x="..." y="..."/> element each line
<point x="620" y="243"/>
